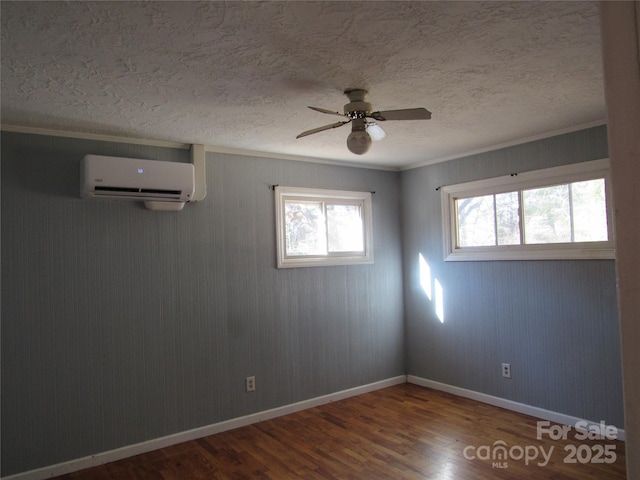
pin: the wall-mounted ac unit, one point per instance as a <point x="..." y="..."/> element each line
<point x="151" y="181"/>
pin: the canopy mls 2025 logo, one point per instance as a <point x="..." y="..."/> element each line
<point x="500" y="453"/>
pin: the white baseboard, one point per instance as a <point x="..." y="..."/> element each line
<point x="508" y="404"/>
<point x="157" y="443"/>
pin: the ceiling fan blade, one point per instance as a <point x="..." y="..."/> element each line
<point x="375" y="131"/>
<point x="406" y="114"/>
<point x="330" y="112"/>
<point x="321" y="129"/>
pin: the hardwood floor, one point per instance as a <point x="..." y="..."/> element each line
<point x="401" y="432"/>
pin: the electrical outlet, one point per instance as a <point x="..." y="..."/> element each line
<point x="250" y="384"/>
<point x="506" y="370"/>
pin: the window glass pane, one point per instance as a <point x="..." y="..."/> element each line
<point x="345" y="228"/>
<point x="304" y="228"/>
<point x="589" y="211"/>
<point x="546" y="215"/>
<point x="476" y="221"/>
<point x="508" y="218"/>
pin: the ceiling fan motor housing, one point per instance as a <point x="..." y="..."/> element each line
<point x="358" y="109"/>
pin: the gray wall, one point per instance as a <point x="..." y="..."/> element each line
<point x="554" y="321"/>
<point x="121" y="325"/>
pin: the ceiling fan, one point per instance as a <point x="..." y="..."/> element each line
<point x="358" y="112"/>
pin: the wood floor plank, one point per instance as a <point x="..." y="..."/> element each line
<point x="402" y="432"/>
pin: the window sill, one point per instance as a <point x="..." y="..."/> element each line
<point x="596" y="251"/>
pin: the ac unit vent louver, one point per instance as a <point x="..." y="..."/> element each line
<point x="138" y="191"/>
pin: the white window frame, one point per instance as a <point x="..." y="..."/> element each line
<point x="533" y="179"/>
<point x="282" y="194"/>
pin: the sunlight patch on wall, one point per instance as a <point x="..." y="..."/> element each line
<point x="426" y="282"/>
<point x="439" y="294"/>
<point x="425" y="276"/>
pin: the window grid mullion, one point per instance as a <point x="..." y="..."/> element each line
<point x="521" y="215"/>
<point x="454" y="222"/>
<point x="571" y="219"/>
<point x="326" y="226"/>
<point x="495" y="220"/>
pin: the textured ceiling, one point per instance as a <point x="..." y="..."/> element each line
<point x="239" y="75"/>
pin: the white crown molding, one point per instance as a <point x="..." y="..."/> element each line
<point x="513" y="143"/>
<point x="295" y="158"/>
<point x="92" y="136"/>
<point x="186" y="146"/>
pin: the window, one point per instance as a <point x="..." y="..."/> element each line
<point x="555" y="213"/>
<point x="322" y="227"/>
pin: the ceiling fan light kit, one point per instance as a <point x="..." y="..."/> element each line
<point x="359" y="141"/>
<point x="375" y="131"/>
<point x="364" y="131"/>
